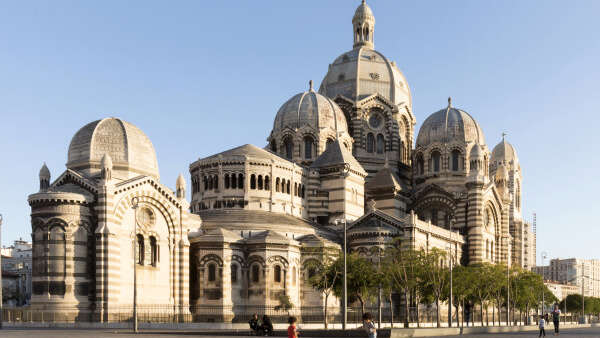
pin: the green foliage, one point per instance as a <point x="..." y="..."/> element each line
<point x="285" y="303"/>
<point x="362" y="279"/>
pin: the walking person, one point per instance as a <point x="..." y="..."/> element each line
<point x="369" y="326"/>
<point x="542" y="323"/>
<point x="292" y="331"/>
<point x="556" y="319"/>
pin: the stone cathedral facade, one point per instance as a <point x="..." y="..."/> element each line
<point x="341" y="154"/>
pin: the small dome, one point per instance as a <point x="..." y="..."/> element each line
<point x="450" y="125"/>
<point x="311" y="109"/>
<point x="362" y="72"/>
<point x="363" y="13"/>
<point x="504" y="152"/>
<point x="130" y="149"/>
<point x="476" y="152"/>
<point x="180" y="184"/>
<point x="44" y="172"/>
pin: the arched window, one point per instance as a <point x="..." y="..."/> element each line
<point x="455" y="157"/>
<point x="210" y="183"/>
<point x="260" y="182"/>
<point x="288" y="145"/>
<point x="216" y="184"/>
<point x="255" y="273"/>
<point x="205" y="183"/>
<point x="153" y="251"/>
<point x="435" y="157"/>
<point x="295" y="189"/>
<point x="420" y="164"/>
<point x="226" y="181"/>
<point x="370" y="143"/>
<point x="252" y="181"/>
<point x="287" y="189"/>
<point x="233" y="181"/>
<point x="241" y="181"/>
<point x="303" y="196"/>
<point x="366" y="33"/>
<point x="277" y="274"/>
<point x="212" y="272"/>
<point x="273" y="146"/>
<point x="267" y="183"/>
<point x="140" y="249"/>
<point x="308" y="147"/>
<point x="277" y="184"/>
<point x="380" y="144"/>
<point x="234" y="270"/>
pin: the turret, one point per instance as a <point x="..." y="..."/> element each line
<point x="44" y="178"/>
<point x="477" y="165"/>
<point x="106" y="167"/>
<point x="180" y="186"/>
<point x="363" y="23"/>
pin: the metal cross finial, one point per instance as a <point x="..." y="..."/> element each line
<point x="310" y="85"/>
<point x="503" y="135"/>
<point x="449" y="102"/>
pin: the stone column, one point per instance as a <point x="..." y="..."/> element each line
<point x="475" y="222"/>
<point x="184" y="282"/>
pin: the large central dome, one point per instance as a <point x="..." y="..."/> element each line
<point x="130" y="149"/>
<point x="363" y="71"/>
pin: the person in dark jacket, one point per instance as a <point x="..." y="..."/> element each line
<point x="267" y="325"/>
<point x="254" y="325"/>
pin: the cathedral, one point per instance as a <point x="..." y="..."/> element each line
<point x="344" y="155"/>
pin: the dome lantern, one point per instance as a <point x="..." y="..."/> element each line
<point x="363" y="24"/>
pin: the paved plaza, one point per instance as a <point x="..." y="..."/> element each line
<point x="62" y="333"/>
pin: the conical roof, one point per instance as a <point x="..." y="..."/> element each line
<point x="336" y="154"/>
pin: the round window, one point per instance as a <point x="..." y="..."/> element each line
<point x="145" y="217"/>
<point x="375" y="121"/>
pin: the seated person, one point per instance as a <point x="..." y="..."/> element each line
<point x="254" y="325"/>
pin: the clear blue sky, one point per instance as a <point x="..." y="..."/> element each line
<point x="199" y="77"/>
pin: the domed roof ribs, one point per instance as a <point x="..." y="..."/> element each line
<point x="392" y="78"/>
<point x="298" y="110"/>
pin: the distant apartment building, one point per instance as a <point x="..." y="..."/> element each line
<point x="574" y="271"/>
<point x="16" y="273"/>
<point x="561" y="291"/>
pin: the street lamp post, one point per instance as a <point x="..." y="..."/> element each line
<point x="544" y="255"/>
<point x="451" y="264"/>
<point x="1" y="218"/>
<point x="134" y="204"/>
<point x="345" y="295"/>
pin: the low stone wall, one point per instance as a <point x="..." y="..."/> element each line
<point x="452" y="331"/>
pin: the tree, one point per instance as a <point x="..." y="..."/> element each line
<point x="361" y="279"/>
<point x="482" y="285"/>
<point x="435" y="275"/>
<point x="403" y="266"/>
<point x="497" y="284"/>
<point x="323" y="274"/>
<point x="462" y="287"/>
